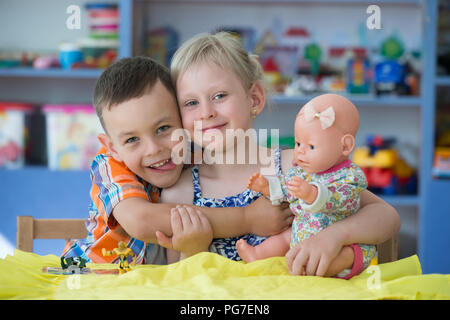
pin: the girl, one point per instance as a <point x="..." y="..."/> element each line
<point x="220" y="88"/>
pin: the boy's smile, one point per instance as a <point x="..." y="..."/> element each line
<point x="139" y="134"/>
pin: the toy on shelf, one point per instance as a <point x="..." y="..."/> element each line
<point x="386" y="172"/>
<point x="122" y="252"/>
<point x="69" y="55"/>
<point x="71" y="136"/>
<point x="13" y="132"/>
<point x="313" y="54"/>
<point x="441" y="165"/>
<point x="390" y="75"/>
<point x="162" y="44"/>
<point x="245" y="35"/>
<point x="358" y="73"/>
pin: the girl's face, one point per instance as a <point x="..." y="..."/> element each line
<point x="215" y="99"/>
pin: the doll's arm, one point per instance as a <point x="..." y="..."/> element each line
<point x="300" y="189"/>
<point x="331" y="197"/>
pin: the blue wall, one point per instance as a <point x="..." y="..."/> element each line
<point x="42" y="193"/>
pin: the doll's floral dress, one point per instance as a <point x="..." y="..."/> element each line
<point x="338" y="197"/>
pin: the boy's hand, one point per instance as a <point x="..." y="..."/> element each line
<point x="264" y="219"/>
<point x="314" y="255"/>
<point x="192" y="232"/>
<point x="301" y="189"/>
<point x="259" y="184"/>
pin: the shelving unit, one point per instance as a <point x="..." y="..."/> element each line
<point x="368" y="101"/>
<point x="434" y="222"/>
<point x="51" y="73"/>
<point x="132" y="15"/>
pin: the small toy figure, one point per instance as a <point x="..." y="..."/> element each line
<point x="323" y="187"/>
<point x="123" y="253"/>
<point x="75" y="265"/>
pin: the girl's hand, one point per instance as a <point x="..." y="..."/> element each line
<point x="314" y="255"/>
<point x="192" y="232"/>
<point x="301" y="189"/>
<point x="264" y="219"/>
<point x="259" y="184"/>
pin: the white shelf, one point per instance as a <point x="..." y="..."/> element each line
<point x="443" y="80"/>
<point x="50" y="73"/>
<point x="360" y="101"/>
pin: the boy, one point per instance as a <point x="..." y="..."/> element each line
<point x="137" y="108"/>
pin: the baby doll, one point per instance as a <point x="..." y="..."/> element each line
<point x="324" y="185"/>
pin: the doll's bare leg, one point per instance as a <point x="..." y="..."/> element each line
<point x="344" y="260"/>
<point x="274" y="246"/>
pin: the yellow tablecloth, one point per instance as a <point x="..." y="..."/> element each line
<point x="210" y="276"/>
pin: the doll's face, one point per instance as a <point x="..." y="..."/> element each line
<point x="316" y="150"/>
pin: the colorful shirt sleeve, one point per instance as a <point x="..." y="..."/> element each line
<point x="113" y="182"/>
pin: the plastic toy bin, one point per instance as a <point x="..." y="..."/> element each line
<point x="13" y="133"/>
<point x="71" y="136"/>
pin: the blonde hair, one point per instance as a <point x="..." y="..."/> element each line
<point x="223" y="49"/>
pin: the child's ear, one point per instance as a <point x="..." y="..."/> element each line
<point x="258" y="97"/>
<point x="348" y="143"/>
<point x="106" y="141"/>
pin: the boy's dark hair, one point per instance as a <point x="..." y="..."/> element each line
<point x="126" y="79"/>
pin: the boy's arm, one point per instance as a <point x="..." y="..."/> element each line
<point x="141" y="218"/>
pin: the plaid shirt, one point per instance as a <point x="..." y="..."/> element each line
<point x="112" y="182"/>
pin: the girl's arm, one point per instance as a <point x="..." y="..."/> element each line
<point x="375" y="222"/>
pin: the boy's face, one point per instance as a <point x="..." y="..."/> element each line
<point x="139" y="134"/>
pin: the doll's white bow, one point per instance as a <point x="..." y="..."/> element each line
<point x="326" y="117"/>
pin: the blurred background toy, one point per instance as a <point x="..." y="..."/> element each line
<point x="441" y="164"/>
<point x="358" y="72"/>
<point x="386" y="171"/>
<point x="390" y="74"/>
<point x="161" y="44"/>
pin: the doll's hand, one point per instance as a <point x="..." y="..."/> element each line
<point x="259" y="184"/>
<point x="192" y="232"/>
<point x="314" y="255"/>
<point x="301" y="189"/>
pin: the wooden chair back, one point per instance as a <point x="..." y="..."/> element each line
<point x="29" y="229"/>
<point x="388" y="250"/>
